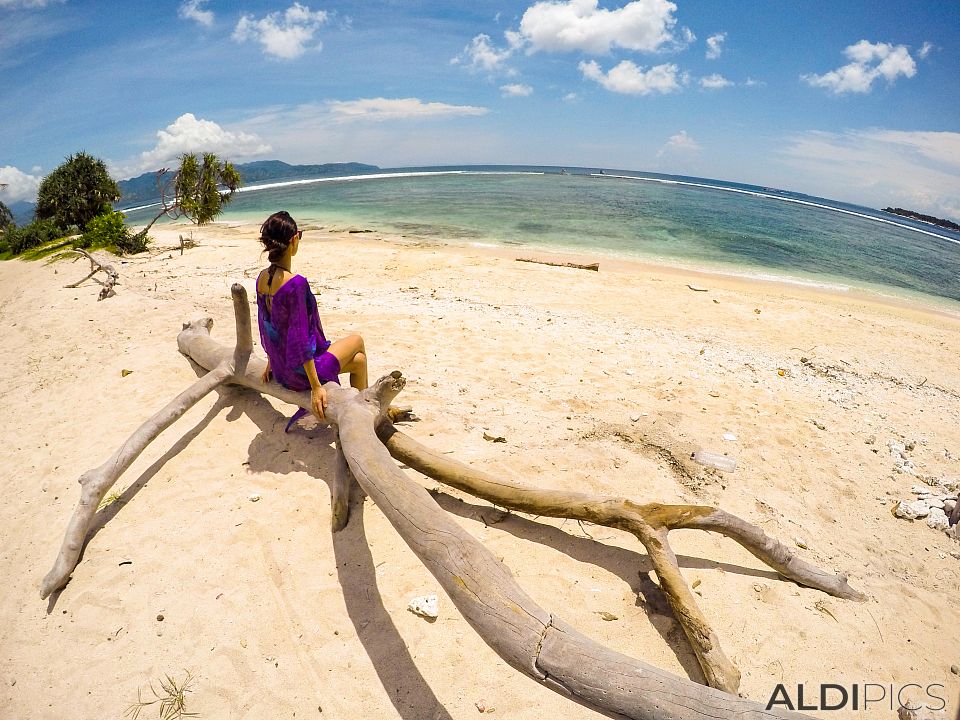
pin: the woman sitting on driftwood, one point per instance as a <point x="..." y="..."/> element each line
<point x="298" y="354"/>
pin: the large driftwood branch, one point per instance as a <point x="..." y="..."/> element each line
<point x="578" y="266"/>
<point x="96" y="266"/>
<point x="96" y="482"/>
<point x="524" y="634"/>
<point x="650" y="523"/>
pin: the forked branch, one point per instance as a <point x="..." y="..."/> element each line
<point x="525" y="635"/>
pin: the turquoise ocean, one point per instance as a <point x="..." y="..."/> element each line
<point x="682" y="221"/>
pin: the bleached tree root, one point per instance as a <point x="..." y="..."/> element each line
<point x="650" y="524"/>
<point x="525" y="635"/>
<point x="97" y="482"/>
<point x="96" y="266"/>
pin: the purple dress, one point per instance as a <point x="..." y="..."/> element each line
<point x="291" y="334"/>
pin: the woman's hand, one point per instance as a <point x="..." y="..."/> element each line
<point x="267" y="375"/>
<point x="319" y="397"/>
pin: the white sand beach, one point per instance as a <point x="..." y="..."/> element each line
<point x="275" y="617"/>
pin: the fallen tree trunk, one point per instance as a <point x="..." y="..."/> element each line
<point x="528" y="637"/>
<point x="650" y="524"/>
<point x="578" y="266"/>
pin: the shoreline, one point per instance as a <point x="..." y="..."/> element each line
<point x="591" y="379"/>
<point x="618" y="262"/>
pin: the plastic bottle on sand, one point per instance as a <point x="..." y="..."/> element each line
<point x="714" y="460"/>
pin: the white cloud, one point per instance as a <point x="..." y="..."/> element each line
<point x="397" y="109"/>
<point x="480" y="55"/>
<point x="516" y="90"/>
<point x="15" y="4"/>
<point x="190" y="134"/>
<point x="681" y="142"/>
<point x="286" y="35"/>
<point x="571" y="97"/>
<point x="916" y="170"/>
<point x="869" y="63"/>
<point x="629" y="79"/>
<point x="715" y="82"/>
<point x="925" y="50"/>
<point x="193" y="10"/>
<point x="641" y="25"/>
<point x="715" y="45"/>
<point x="19" y="185"/>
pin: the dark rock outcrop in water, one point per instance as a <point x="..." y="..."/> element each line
<point x="939" y="222"/>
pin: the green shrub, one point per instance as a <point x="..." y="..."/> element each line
<point x="106" y="230"/>
<point x="39" y="232"/>
<point x="134" y="244"/>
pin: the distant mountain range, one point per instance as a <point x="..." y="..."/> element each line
<point x="142" y="189"/>
<point x="22" y="212"/>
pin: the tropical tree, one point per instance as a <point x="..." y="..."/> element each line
<point x="6" y="218"/>
<point x="76" y="192"/>
<point x="198" y="190"/>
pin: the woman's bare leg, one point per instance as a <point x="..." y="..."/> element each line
<point x="352" y="354"/>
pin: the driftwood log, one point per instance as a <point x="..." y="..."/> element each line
<point x="528" y="637"/>
<point x="578" y="266"/>
<point x="96" y="266"/>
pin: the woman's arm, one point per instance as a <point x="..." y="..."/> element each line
<point x="317" y="393"/>
<point x="268" y="373"/>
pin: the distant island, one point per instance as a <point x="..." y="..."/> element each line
<point x="939" y="222"/>
<point x="142" y="189"/>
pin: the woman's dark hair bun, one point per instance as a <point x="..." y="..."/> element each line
<point x="277" y="233"/>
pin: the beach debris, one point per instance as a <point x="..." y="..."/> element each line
<point x="254" y="497"/>
<point x="96" y="266"/>
<point x="588" y="266"/>
<point x="635" y="417"/>
<point x="124" y="373"/>
<point x="938" y="520"/>
<point x="818" y="425"/>
<point x="955" y="669"/>
<point x="697" y="289"/>
<point x="756" y="311"/>
<point x="714" y="460"/>
<point x="730" y="436"/>
<point x="171" y="699"/>
<point x="494" y="438"/>
<point x="160" y="617"/>
<point x="424" y="606"/>
<point x="187" y="243"/>
<point x="801" y="543"/>
<point x="936" y="501"/>
<point x="483" y="590"/>
<point x="482" y="707"/>
<point x="911" y="510"/>
<point x="823" y="607"/>
<point x="913" y="709"/>
<point x="609" y="617"/>
<point x="781" y="372"/>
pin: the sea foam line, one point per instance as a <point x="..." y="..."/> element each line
<point x="384" y="176"/>
<point x="754" y="193"/>
<point x="369" y="176"/>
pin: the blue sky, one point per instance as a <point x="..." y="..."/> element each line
<point x="857" y="101"/>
